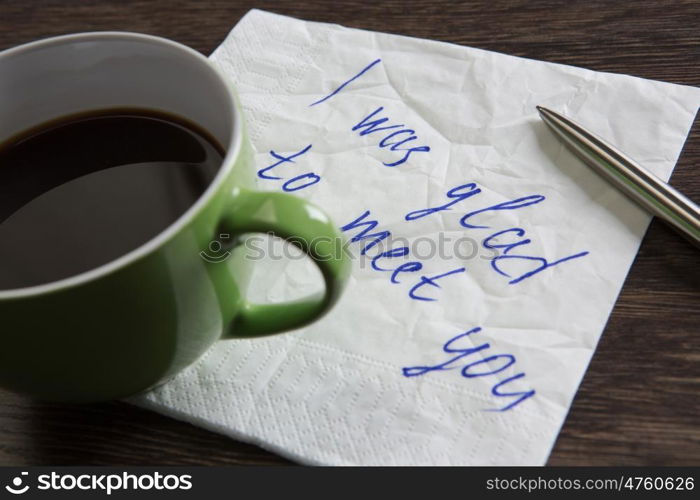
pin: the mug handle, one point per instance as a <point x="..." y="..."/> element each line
<point x="305" y="226"/>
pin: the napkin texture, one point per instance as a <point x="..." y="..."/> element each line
<point x="381" y="380"/>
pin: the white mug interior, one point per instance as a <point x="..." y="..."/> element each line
<point x="60" y="76"/>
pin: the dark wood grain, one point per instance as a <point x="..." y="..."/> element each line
<point x="639" y="403"/>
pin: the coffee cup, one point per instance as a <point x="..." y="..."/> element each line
<point x="133" y="322"/>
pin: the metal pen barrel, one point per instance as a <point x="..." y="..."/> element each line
<point x="635" y="181"/>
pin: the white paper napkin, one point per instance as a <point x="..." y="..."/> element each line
<point x="474" y="354"/>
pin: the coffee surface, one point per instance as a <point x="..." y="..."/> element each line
<point x="79" y="192"/>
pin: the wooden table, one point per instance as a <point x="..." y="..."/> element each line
<point x="639" y="403"/>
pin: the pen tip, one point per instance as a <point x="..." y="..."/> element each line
<point x="540" y="109"/>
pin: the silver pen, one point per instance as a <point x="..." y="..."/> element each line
<point x="628" y="176"/>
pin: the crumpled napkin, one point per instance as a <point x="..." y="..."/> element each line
<point x="486" y="258"/>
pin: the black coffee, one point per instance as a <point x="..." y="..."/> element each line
<point x="79" y="192"/>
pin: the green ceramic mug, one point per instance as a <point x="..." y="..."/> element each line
<point x="133" y="323"/>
